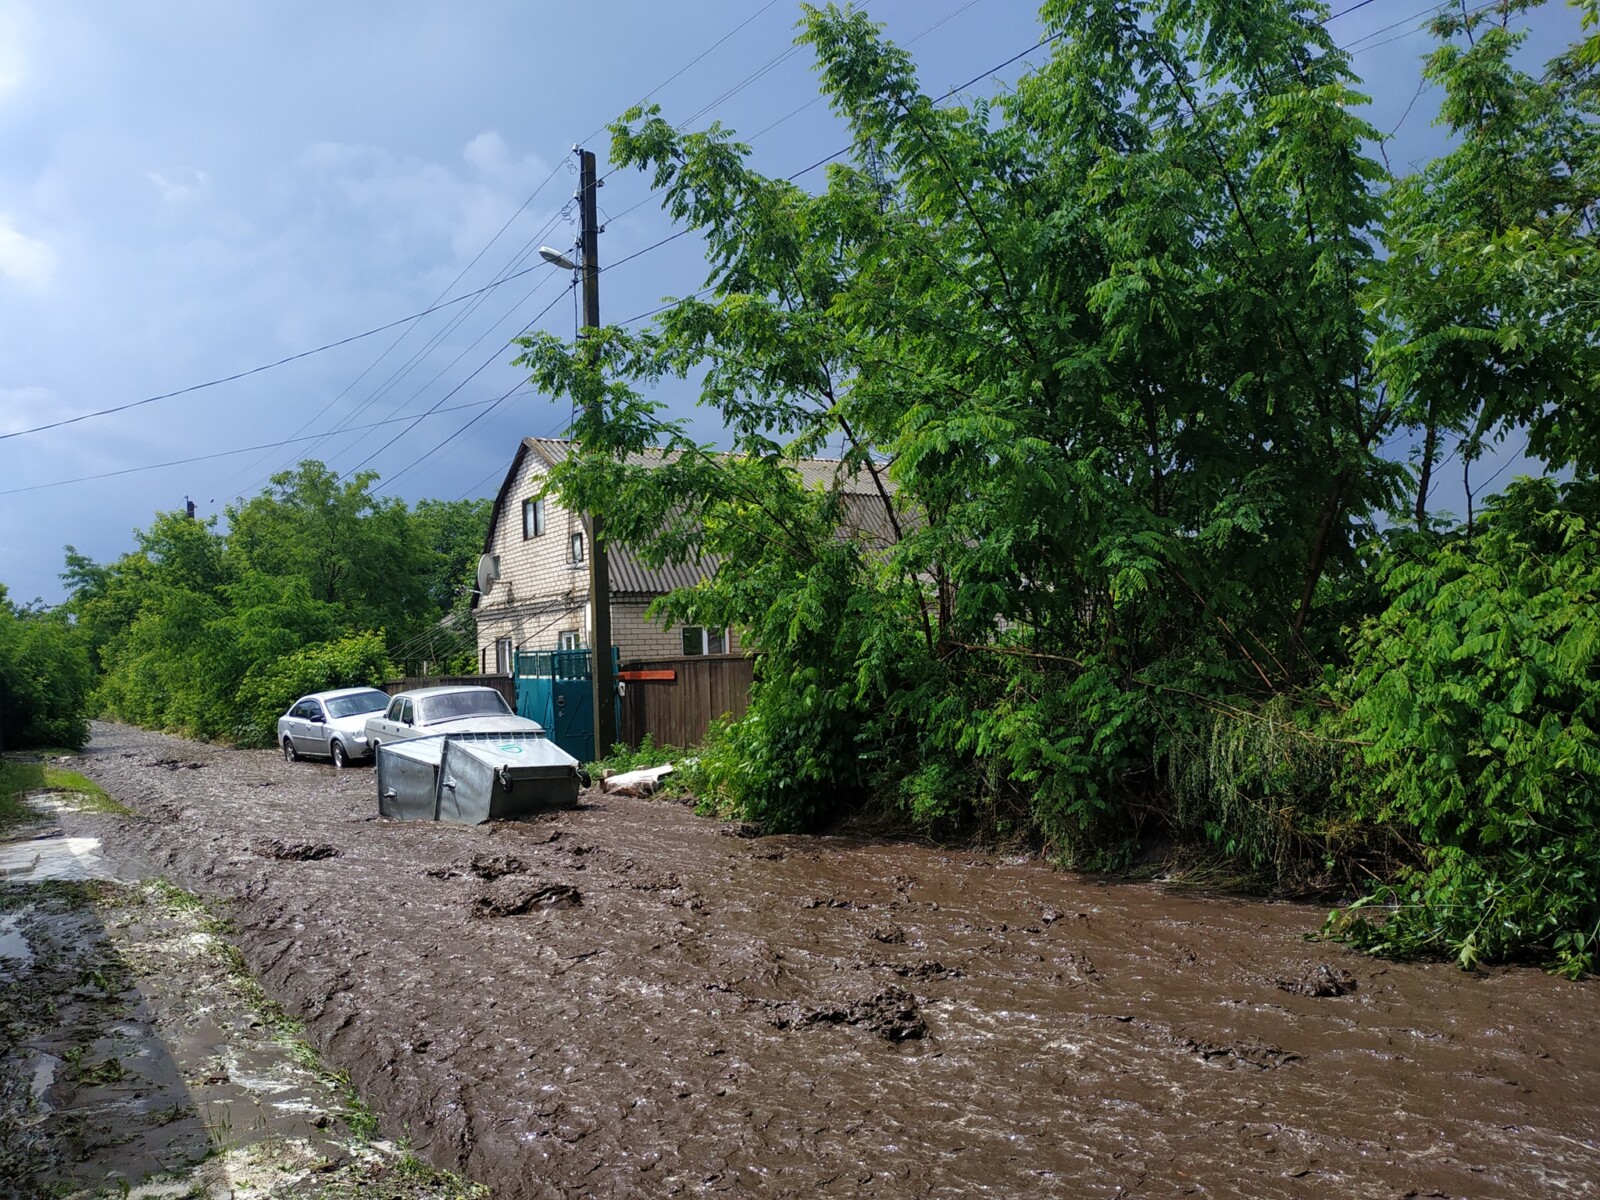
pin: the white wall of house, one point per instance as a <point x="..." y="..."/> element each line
<point x="542" y="593"/>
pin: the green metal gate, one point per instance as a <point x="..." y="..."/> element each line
<point x="556" y="689"/>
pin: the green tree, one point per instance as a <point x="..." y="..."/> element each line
<point x="185" y="629"/>
<point x="1476" y="697"/>
<point x="1098" y="351"/>
<point x="44" y="679"/>
<point x="1487" y="297"/>
<point x="353" y="550"/>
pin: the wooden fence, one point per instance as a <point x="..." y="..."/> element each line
<point x="685" y="695"/>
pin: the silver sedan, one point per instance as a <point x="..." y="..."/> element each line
<point x="330" y="725"/>
<point x="440" y="710"/>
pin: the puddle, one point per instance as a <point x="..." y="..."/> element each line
<point x="13" y="945"/>
<point x="53" y="857"/>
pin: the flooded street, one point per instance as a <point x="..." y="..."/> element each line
<point x="629" y="1000"/>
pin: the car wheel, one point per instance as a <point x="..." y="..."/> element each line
<point x="290" y="754"/>
<point x="336" y="752"/>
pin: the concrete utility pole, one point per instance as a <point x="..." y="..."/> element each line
<point x="605" y="721"/>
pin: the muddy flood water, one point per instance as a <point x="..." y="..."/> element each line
<point x="630" y="1000"/>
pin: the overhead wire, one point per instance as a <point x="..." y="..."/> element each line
<point x="440" y="305"/>
<point x="478" y="370"/>
<point x="445" y="291"/>
<point x="496" y="237"/>
<point x="288" y="358"/>
<point x="535" y="239"/>
<point x="197" y="458"/>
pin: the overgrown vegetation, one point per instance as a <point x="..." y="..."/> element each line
<point x="20" y="776"/>
<point x="45" y="679"/>
<point x="1126" y="362"/>
<point x="315" y="584"/>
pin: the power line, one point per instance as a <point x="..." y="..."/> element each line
<point x="211" y="383"/>
<point x="405" y="333"/>
<point x="520" y="257"/>
<point x="533" y="291"/>
<point x="498" y="234"/>
<point x="181" y="462"/>
<point x="518" y="274"/>
<point x="480" y="368"/>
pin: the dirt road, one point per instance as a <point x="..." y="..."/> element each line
<point x="629" y="1000"/>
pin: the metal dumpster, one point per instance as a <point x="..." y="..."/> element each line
<point x="408" y="779"/>
<point x="470" y="778"/>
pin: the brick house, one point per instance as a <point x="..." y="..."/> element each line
<point x="540" y="596"/>
<point x="539" y="599"/>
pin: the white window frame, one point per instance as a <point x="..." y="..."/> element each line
<point x="504" y="656"/>
<point x="701" y="639"/>
<point x="534" y="507"/>
<point x="575" y="549"/>
<point x="569" y="639"/>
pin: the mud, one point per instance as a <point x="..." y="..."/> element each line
<point x="136" y="1060"/>
<point x="717" y="1012"/>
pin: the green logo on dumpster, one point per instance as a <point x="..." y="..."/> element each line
<point x="511" y="748"/>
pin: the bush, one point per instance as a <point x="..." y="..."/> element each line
<point x="270" y="687"/>
<point x="1477" y="696"/>
<point x="45" y="681"/>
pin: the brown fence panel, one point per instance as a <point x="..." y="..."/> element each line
<point x="678" y="712"/>
<point x="501" y="683"/>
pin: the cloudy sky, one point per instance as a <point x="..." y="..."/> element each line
<point x="192" y="190"/>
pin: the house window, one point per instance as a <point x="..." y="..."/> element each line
<point x="494" y="566"/>
<point x="502" y="656"/>
<point x="704" y="641"/>
<point x="569" y="639"/>
<point x="577" y="548"/>
<point x="532" y="518"/>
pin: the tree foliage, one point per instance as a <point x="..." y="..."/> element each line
<point x="314" y="584"/>
<point x="44" y="680"/>
<point x="1476" y="696"/>
<point x="1114" y="364"/>
<point x="1098" y="350"/>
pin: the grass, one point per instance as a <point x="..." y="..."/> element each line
<point x="622" y="758"/>
<point x="20" y="775"/>
<point x="286" y="1030"/>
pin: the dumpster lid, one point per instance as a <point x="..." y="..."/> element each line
<point x="428" y="750"/>
<point x="514" y="752"/>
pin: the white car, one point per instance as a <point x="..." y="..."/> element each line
<point x="438" y="710"/>
<point x="330" y="725"/>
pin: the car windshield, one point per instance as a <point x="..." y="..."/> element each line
<point x="479" y="702"/>
<point x="355" y="705"/>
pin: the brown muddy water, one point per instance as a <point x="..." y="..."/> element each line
<point x="629" y="1000"/>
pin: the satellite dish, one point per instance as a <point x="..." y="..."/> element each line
<point x="485" y="573"/>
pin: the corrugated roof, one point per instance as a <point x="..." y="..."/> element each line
<point x="814" y="472"/>
<point x="629" y="577"/>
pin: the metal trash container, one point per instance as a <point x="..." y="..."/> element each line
<point x="408" y="779"/>
<point x="469" y="778"/>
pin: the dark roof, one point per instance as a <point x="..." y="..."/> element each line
<point x="630" y="577"/>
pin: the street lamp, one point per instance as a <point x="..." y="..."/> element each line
<point x="557" y="259"/>
<point x="605" y="720"/>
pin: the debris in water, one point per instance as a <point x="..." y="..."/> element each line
<point x="294" y="851"/>
<point x="1319" y="980"/>
<point x="515" y="901"/>
<point x="496" y="866"/>
<point x="891" y="1014"/>
<point x="1249" y="1052"/>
